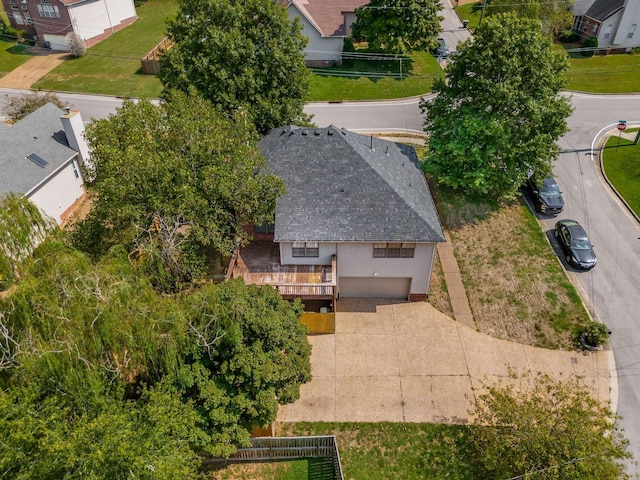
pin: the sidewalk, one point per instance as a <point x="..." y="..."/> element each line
<point x="24" y="76"/>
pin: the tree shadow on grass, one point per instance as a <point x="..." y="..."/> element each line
<point x="374" y="67"/>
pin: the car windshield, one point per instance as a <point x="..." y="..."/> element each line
<point x="580" y="244"/>
<point x="549" y="190"/>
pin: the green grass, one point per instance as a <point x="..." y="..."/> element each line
<point x="622" y="166"/>
<point x="399" y="451"/>
<point x="375" y="79"/>
<point x="471" y="12"/>
<point x="619" y="73"/>
<point x="11" y="55"/>
<point x="296" y="470"/>
<point x="112" y="67"/>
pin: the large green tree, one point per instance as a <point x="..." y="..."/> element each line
<point x="497" y="116"/>
<point x="173" y="177"/>
<point x="398" y="26"/>
<point x="101" y="377"/>
<point x="556" y="15"/>
<point x="549" y="430"/>
<point x="241" y="55"/>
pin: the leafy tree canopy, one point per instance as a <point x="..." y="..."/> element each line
<point x="241" y="55"/>
<point x="20" y="106"/>
<point x="172" y="177"/>
<point x="101" y="377"/>
<point x="398" y="26"/>
<point x="496" y="118"/>
<point x="556" y="16"/>
<point x="553" y="429"/>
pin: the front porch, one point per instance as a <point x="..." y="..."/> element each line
<point x="259" y="263"/>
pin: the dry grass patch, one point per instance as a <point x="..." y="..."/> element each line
<point x="438" y="293"/>
<point x="517" y="289"/>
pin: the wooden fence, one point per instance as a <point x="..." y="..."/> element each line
<point x="319" y="322"/>
<point x="151" y="61"/>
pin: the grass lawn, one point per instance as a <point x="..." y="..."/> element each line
<point x="622" y="166"/>
<point x="471" y="12"/>
<point x="619" y="73"/>
<point x="112" y="67"/>
<point x="11" y="55"/>
<point x="266" y="471"/>
<point x="517" y="289"/>
<point x="375" y="79"/>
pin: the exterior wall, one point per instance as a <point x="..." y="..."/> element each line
<point x="349" y="19"/>
<point x="629" y="17"/>
<point x="320" y="51"/>
<point x="326" y="251"/>
<point x="93" y="19"/>
<point x="356" y="260"/>
<point x="611" y="25"/>
<point x="59" y="192"/>
<point x="56" y="42"/>
<point x="41" y="24"/>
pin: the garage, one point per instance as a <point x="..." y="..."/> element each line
<point x="374" y="287"/>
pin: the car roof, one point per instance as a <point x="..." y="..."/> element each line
<point x="575" y="229"/>
<point x="549" y="182"/>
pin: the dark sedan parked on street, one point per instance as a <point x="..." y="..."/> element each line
<point x="546" y="196"/>
<point x="576" y="244"/>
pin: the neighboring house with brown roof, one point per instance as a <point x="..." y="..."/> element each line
<point x="40" y="158"/>
<point x="357" y="219"/>
<point x="613" y="22"/>
<point x="50" y="20"/>
<point x="326" y="23"/>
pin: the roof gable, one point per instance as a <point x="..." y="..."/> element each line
<point x="39" y="133"/>
<point x="603" y="9"/>
<point x="343" y="186"/>
<point x="327" y="16"/>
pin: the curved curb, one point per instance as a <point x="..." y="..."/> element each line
<point x="599" y="143"/>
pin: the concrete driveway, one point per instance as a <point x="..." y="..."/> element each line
<point x="408" y="362"/>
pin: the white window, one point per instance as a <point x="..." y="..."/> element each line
<point x="48" y="11"/>
<point x="632" y="30"/>
<point x="607" y="31"/>
<point x="75" y="169"/>
<point x="27" y="17"/>
<point x="18" y="17"/>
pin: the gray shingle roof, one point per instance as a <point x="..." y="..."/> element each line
<point x="41" y="133"/>
<point x="603" y="9"/>
<point x="343" y="186"/>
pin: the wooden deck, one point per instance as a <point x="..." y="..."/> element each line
<point x="259" y="264"/>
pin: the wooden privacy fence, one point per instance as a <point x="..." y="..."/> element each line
<point x="319" y="322"/>
<point x="278" y="449"/>
<point x="151" y="61"/>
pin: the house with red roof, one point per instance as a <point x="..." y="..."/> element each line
<point x="326" y="23"/>
<point x="49" y="21"/>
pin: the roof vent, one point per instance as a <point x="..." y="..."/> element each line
<point x="329" y="132"/>
<point x="67" y="110"/>
<point x="38" y="160"/>
<point x="344" y="132"/>
<point x="316" y="133"/>
<point x="304" y="132"/>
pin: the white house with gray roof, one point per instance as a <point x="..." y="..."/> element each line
<point x="613" y="22"/>
<point x="37" y="160"/>
<point x="357" y="219"/>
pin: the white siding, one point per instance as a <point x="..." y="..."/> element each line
<point x="94" y="18"/>
<point x="326" y="251"/>
<point x="58" y="192"/>
<point x="629" y="17"/>
<point x="356" y="260"/>
<point x="58" y="42"/>
<point x="375" y="287"/>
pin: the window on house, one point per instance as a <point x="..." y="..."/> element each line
<point x="607" y="31"/>
<point x="264" y="228"/>
<point x="393" y="250"/>
<point x="305" y="249"/>
<point x="48" y="11"/>
<point x="25" y="6"/>
<point x="47" y="2"/>
<point x="632" y="31"/>
<point x="18" y="19"/>
<point x="27" y="17"/>
<point x="75" y="169"/>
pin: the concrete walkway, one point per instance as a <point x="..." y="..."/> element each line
<point x="409" y="362"/>
<point x="455" y="287"/>
<point x="25" y="75"/>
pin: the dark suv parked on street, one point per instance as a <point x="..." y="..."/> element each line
<point x="547" y="196"/>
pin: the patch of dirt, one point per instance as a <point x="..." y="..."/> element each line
<point x="516" y="287"/>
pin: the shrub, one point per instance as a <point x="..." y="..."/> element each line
<point x="568" y="36"/>
<point x="589" y="46"/>
<point x="594" y="335"/>
<point x="75" y="44"/>
<point x="348" y="47"/>
<point x="9" y="31"/>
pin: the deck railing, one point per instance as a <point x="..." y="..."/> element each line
<point x="274" y="449"/>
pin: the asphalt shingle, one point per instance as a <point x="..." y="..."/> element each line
<point x="344" y="186"/>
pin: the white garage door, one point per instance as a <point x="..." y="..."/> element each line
<point x="375" y="287"/>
